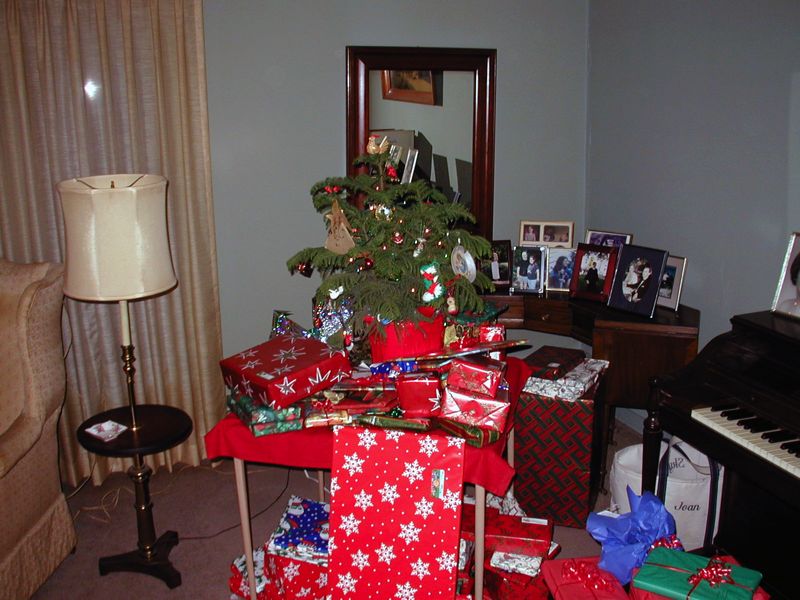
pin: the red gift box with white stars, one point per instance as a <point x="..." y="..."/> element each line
<point x="284" y="369"/>
<point x="395" y="511"/>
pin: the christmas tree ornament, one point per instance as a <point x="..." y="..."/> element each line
<point x="420" y="247"/>
<point x="433" y="287"/>
<point x="339" y="239"/>
<point x="368" y="263"/>
<point x="334" y="293"/>
<point x="463" y="264"/>
<point x="452" y="309"/>
<point x="304" y="268"/>
<point x="377" y="145"/>
<point x="397" y="238"/>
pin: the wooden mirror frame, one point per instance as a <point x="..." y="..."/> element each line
<point x="481" y="62"/>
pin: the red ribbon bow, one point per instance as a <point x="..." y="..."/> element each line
<point x="716" y="572"/>
<point x="586" y="573"/>
<point x="671" y="541"/>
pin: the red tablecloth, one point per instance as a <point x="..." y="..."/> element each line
<point x="313" y="448"/>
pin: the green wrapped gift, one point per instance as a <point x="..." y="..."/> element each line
<point x="263" y="420"/>
<point x="474" y="436"/>
<point x="388" y="422"/>
<point x="676" y="574"/>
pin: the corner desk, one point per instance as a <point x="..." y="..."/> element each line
<point x="636" y="347"/>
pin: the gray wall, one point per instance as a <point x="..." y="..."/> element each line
<point x="276" y="90"/>
<point x="694" y="129"/>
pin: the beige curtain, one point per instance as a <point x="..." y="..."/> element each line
<point x="90" y="87"/>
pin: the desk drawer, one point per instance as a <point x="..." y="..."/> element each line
<point x="548" y="315"/>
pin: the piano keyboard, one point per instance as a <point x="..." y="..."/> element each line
<point x="733" y="428"/>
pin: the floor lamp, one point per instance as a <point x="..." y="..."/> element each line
<point x="117" y="250"/>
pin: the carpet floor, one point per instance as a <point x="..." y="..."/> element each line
<point x="200" y="504"/>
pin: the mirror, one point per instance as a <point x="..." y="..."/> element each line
<point x="480" y="64"/>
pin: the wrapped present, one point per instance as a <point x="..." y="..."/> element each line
<point x="290" y="577"/>
<point x="238" y="581"/>
<point x="504" y="585"/>
<point x="508" y="533"/>
<point x="581" y="579"/>
<point x="476" y="410"/>
<point x="492" y="333"/>
<point x="320" y="416"/>
<point x="627" y="539"/>
<point x="676" y="574"/>
<point x="366" y="402"/>
<point x="474" y="436"/>
<point x="394" y="368"/>
<point x="479" y="374"/>
<point x="302" y="531"/>
<point x="551" y="362"/>
<point x="516" y="563"/>
<point x="395" y="506"/>
<point x="419" y="394"/>
<point x="333" y="321"/>
<point x="284" y="369"/>
<point x="573" y="385"/>
<point x="390" y="422"/>
<point x="556" y="442"/>
<point x="263" y="420"/>
<point x="283" y="325"/>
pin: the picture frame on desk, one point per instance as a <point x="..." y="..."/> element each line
<point x="498" y="267"/>
<point x="529" y="269"/>
<point x="560" y="265"/>
<point x="787" y="295"/>
<point x="637" y="279"/>
<point x="593" y="273"/>
<point x="607" y="238"/>
<point x="669" y="292"/>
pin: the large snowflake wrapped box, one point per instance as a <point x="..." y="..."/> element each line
<point x="284" y="369"/>
<point x="395" y="509"/>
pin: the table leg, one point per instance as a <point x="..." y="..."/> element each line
<point x="321" y="482"/>
<point x="243" y="497"/>
<point x="152" y="556"/>
<point x="480" y="520"/>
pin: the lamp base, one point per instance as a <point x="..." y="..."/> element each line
<point x="157" y="565"/>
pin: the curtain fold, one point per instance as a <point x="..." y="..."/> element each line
<point x="89" y="87"/>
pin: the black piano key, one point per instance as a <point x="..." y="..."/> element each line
<point x="757" y="425"/>
<point x="779" y="436"/>
<point x="721" y="407"/>
<point x="736" y="413"/>
<point x="793" y="446"/>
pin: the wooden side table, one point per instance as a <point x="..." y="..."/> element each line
<point x="159" y="428"/>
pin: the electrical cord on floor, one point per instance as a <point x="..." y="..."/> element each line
<point x="185" y="538"/>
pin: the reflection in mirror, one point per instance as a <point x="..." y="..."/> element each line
<point x="453" y="135"/>
<point x="441" y="133"/>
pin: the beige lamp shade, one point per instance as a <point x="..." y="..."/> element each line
<point x="117" y="246"/>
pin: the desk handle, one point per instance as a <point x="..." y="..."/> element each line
<point x="546" y="317"/>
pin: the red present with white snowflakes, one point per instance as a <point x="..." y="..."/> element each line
<point x="395" y="509"/>
<point x="293" y="578"/>
<point x="475" y="409"/>
<point x="479" y="374"/>
<point x="419" y="394"/>
<point x="284" y="369"/>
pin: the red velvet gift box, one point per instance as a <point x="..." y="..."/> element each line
<point x="508" y="533"/>
<point x="419" y="394"/>
<point x="581" y="579"/>
<point x="551" y="362"/>
<point x="476" y="410"/>
<point x="479" y="374"/>
<point x="284" y="369"/>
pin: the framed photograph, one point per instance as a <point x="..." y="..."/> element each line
<point x="408" y="166"/>
<point x="593" y="272"/>
<point x="498" y="266"/>
<point x="408" y="86"/>
<point x="530" y="233"/>
<point x="637" y="278"/>
<point x="607" y="238"/>
<point x="669" y="292"/>
<point x="560" y="264"/>
<point x="787" y="296"/>
<point x="558" y="234"/>
<point x="529" y="269"/>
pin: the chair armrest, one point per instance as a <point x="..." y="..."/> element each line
<point x="17" y="441"/>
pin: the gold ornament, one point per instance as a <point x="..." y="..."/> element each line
<point x="377" y="147"/>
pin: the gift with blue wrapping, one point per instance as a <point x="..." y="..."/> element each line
<point x="676" y="574"/>
<point x="302" y="531"/>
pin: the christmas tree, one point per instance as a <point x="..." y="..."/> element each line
<point x="392" y="247"/>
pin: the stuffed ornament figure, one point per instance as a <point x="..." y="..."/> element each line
<point x="433" y="289"/>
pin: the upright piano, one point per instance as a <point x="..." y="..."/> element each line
<point x="738" y="402"/>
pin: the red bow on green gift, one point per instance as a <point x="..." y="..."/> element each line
<point x="716" y="572"/>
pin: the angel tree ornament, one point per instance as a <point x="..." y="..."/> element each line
<point x="339" y="240"/>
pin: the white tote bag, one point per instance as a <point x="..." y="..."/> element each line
<point x="692" y="486"/>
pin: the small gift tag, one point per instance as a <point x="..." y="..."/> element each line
<point x="107" y="430"/>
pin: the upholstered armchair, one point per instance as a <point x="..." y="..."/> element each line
<point x="36" y="530"/>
